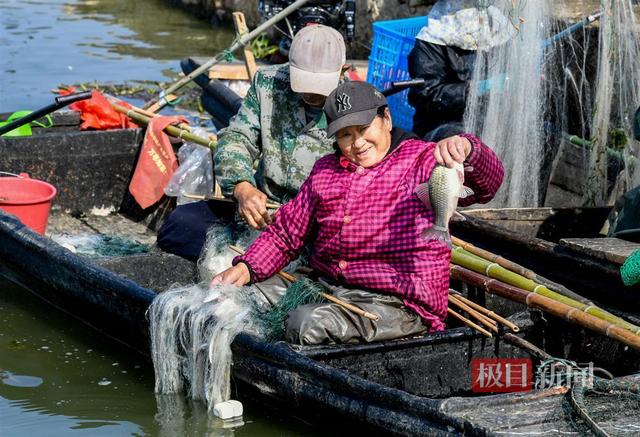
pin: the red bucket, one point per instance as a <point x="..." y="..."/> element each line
<point x="28" y="199"/>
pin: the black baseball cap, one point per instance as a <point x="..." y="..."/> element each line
<point x="352" y="104"/>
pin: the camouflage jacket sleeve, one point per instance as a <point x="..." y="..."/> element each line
<point x="239" y="145"/>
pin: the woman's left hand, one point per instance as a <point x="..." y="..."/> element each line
<point x="451" y="150"/>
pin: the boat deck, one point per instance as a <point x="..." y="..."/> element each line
<point x="99" y="222"/>
<point x="609" y="249"/>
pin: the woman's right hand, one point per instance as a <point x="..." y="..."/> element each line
<point x="252" y="205"/>
<point x="237" y="275"/>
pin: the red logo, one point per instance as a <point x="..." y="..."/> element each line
<point x="501" y="375"/>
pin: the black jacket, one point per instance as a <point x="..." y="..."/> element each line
<point x="446" y="71"/>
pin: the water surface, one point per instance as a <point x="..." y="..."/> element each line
<point x="44" y="43"/>
<point x="58" y="377"/>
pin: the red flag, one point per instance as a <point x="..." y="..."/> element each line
<point x="156" y="164"/>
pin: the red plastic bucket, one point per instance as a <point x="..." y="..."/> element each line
<point x="28" y="199"/>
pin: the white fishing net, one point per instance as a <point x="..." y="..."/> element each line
<point x="192" y="329"/>
<point x="511" y="121"/>
<point x="216" y="255"/>
<point x="617" y="96"/>
<point x="584" y="83"/>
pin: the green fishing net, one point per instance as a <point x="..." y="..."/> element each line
<point x="302" y="292"/>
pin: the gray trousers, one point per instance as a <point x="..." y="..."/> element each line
<point x="329" y="323"/>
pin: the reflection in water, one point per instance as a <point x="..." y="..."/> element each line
<point x="48" y="42"/>
<point x="58" y="377"/>
<point x="153" y="29"/>
<point x="11" y="379"/>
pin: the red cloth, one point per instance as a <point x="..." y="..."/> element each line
<point x="97" y="112"/>
<point x="156" y="163"/>
<point x="366" y="224"/>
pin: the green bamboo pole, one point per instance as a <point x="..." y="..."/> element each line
<point x="171" y="130"/>
<point x="517" y="268"/>
<point x="498" y="272"/>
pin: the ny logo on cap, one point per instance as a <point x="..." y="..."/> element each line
<point x="343" y="102"/>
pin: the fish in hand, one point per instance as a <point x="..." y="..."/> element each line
<point x="441" y="194"/>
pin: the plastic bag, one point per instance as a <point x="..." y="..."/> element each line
<point x="194" y="174"/>
<point x="97" y="112"/>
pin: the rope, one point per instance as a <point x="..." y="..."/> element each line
<point x="227" y="55"/>
<point x="579" y="387"/>
<point x="576" y="400"/>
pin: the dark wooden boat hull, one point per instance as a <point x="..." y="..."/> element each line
<point x="116" y="306"/>
<point x="400" y="387"/>
<point x="99" y="161"/>
<point x="595" y="278"/>
<point x="417" y="386"/>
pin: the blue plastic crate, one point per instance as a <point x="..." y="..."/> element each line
<point x="392" y="42"/>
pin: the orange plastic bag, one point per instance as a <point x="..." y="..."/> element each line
<point x="97" y="112"/>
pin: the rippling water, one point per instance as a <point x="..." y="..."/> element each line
<point x="44" y="43"/>
<point x="58" y="378"/>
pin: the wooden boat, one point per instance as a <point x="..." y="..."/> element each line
<point x="562" y="244"/>
<point x="416" y="386"/>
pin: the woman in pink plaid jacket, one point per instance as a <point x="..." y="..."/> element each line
<point x="359" y="212"/>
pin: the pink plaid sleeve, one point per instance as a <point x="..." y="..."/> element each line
<point x="487" y="174"/>
<point x="283" y="240"/>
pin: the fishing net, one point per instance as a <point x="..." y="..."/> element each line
<point x="100" y="245"/>
<point x="617" y="95"/>
<point x="192" y="329"/>
<point x="556" y="85"/>
<point x="593" y="405"/>
<point x="606" y="407"/>
<point x="216" y="255"/>
<point x="301" y="292"/>
<point x="510" y="118"/>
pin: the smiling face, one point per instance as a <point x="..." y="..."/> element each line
<point x="366" y="145"/>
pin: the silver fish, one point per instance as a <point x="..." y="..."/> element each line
<point x="441" y="194"/>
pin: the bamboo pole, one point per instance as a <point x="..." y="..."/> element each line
<point x="492" y="325"/>
<point x="171" y="130"/>
<point x="343" y="304"/>
<point x="551" y="306"/>
<point x="469" y="322"/>
<point x="516" y="268"/>
<point x="113" y="99"/>
<point x="495" y="271"/>
<point x="526" y="345"/>
<point x="512" y="326"/>
<point x="269" y="205"/>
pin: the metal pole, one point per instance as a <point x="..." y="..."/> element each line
<point x="573" y="28"/>
<point x="240" y="42"/>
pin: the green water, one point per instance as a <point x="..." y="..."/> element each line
<point x="58" y="378"/>
<point x="44" y="43"/>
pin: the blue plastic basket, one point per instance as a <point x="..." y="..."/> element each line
<point x="392" y="42"/>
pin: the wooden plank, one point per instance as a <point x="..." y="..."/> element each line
<point x="511" y="214"/>
<point x="610" y="249"/>
<point x="236" y="70"/>
<point x="231" y="71"/>
<point x="249" y="60"/>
